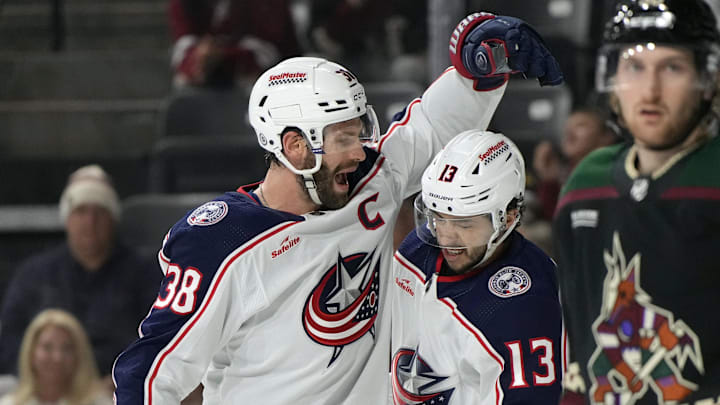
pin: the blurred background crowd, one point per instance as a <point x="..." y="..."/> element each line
<point x="117" y="116"/>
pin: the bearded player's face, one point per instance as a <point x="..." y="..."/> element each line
<point x="343" y="152"/>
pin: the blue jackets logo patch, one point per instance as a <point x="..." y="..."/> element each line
<point x="414" y="382"/>
<point x="208" y="214"/>
<point x="343" y="306"/>
<point x="509" y="282"/>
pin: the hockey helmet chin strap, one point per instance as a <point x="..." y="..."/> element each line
<point x="311" y="187"/>
<point x="494" y="243"/>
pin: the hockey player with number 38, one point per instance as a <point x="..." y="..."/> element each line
<point x="278" y="293"/>
<point x="476" y="315"/>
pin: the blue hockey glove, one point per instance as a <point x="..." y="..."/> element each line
<point x="492" y="47"/>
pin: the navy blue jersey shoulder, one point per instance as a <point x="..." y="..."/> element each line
<point x="364" y="167"/>
<point x="206" y="246"/>
<point x="419" y="254"/>
<point x="476" y="300"/>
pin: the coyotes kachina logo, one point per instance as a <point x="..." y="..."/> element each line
<point x="414" y="382"/>
<point x="343" y="306"/>
<point x="640" y="346"/>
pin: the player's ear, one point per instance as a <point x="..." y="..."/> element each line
<point x="295" y="147"/>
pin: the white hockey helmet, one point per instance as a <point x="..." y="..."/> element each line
<point x="478" y="173"/>
<point x="309" y="94"/>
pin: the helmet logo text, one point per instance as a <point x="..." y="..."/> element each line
<point x="287" y="77"/>
<point x="493" y="152"/>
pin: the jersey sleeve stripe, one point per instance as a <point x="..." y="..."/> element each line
<point x="405" y="263"/>
<point x="397" y="124"/>
<point x="483" y="342"/>
<point x="594" y="193"/>
<point x="205" y="304"/>
<point x="691" y="193"/>
<point x="377" y="168"/>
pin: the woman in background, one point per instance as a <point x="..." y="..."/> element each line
<point x="56" y="364"/>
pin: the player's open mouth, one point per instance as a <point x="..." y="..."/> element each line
<point x="453" y="252"/>
<point x="341" y="179"/>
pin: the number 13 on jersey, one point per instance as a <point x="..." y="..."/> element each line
<point x="543" y="349"/>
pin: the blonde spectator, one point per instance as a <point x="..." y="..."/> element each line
<point x="56" y="364"/>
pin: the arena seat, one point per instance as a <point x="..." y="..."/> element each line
<point x="147" y="218"/>
<point x="202" y="164"/>
<point x="389" y="98"/>
<point x="196" y="111"/>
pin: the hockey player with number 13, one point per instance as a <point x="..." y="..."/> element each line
<point x="476" y="315"/>
<point x="278" y="293"/>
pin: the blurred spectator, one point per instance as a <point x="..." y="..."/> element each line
<point x="104" y="284"/>
<point x="56" y="364"/>
<point x="585" y="130"/>
<point x="220" y="42"/>
<point x="376" y="39"/>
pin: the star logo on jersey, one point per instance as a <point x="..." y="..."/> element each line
<point x="415" y="382"/>
<point x="343" y="306"/>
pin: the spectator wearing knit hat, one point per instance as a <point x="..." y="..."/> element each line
<point x="103" y="283"/>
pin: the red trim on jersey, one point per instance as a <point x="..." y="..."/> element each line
<point x="520" y="381"/>
<point x="447" y="69"/>
<point x="564" y="350"/>
<point x="242" y="190"/>
<point x="480" y="339"/>
<point x="377" y="168"/>
<point x="594" y="193"/>
<point x="550" y="357"/>
<point x="408" y="113"/>
<point x="691" y="193"/>
<point x="459" y="277"/>
<point x="397" y="124"/>
<point x="438" y="262"/>
<point x="206" y="302"/>
<point x="404" y="262"/>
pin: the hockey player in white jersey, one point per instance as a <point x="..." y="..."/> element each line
<point x="475" y="306"/>
<point x="277" y="293"/>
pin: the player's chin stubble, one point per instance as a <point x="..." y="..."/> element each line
<point x="324" y="180"/>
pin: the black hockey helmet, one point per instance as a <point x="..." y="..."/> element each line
<point x="662" y="21"/>
<point x="683" y="23"/>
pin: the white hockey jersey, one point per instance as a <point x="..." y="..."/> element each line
<point x="267" y="307"/>
<point x="489" y="336"/>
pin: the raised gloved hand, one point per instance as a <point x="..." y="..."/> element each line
<point x="488" y="48"/>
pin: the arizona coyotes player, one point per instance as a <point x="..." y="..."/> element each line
<point x="476" y="311"/>
<point x="277" y="293"/>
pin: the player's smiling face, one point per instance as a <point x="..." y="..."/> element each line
<point x="463" y="240"/>
<point x="343" y="152"/>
